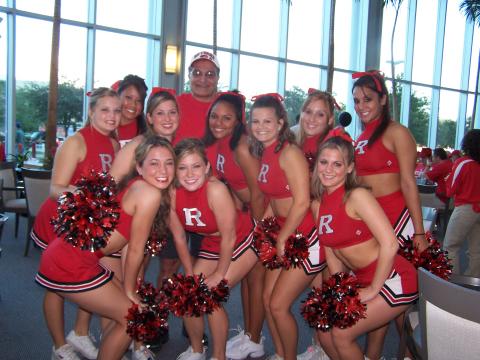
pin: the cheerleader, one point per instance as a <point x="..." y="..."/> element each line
<point x="385" y="157"/>
<point x="202" y="204"/>
<point x="77" y="275"/>
<point x="226" y="134"/>
<point x="91" y="148"/>
<point x="284" y="179"/>
<point x="357" y="235"/>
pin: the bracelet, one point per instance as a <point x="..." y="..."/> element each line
<point x="415" y="234"/>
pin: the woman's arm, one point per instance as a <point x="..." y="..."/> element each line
<point x="146" y="201"/>
<point x="125" y="159"/>
<point x="180" y="239"/>
<point x="365" y="207"/>
<point x="223" y="207"/>
<point x="251" y="167"/>
<point x="406" y="151"/>
<point x="334" y="264"/>
<point x="295" y="167"/>
<point x="68" y="155"/>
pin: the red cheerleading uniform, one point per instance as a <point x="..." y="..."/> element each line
<point x="197" y="217"/>
<point x="310" y="145"/>
<point x="127" y="132"/>
<point x="271" y="178"/>
<point x="439" y="173"/>
<point x="99" y="157"/>
<point x="377" y="159"/>
<point x="211" y="153"/>
<point x="192" y="117"/>
<point x="338" y="230"/>
<point x="463" y="182"/>
<point x="226" y="166"/>
<point x="66" y="268"/>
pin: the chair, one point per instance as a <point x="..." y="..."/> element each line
<point x="37" y="188"/>
<point x="446" y="324"/>
<point x="11" y="199"/>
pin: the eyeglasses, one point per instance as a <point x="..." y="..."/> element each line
<point x="195" y="73"/>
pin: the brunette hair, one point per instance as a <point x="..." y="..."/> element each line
<point x="471" y="144"/>
<point x="328" y="99"/>
<point x="156" y="99"/>
<point x="346" y="148"/>
<point x="285" y="134"/>
<point x="236" y="100"/>
<point x="138" y="83"/>
<point x="375" y="81"/>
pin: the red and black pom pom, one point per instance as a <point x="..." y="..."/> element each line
<point x="87" y="217"/>
<point x="151" y="321"/>
<point x="155" y="244"/>
<point x="338" y="304"/>
<point x="296" y="251"/>
<point x="433" y="259"/>
<point x="190" y="296"/>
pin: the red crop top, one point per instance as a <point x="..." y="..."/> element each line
<point x="226" y="166"/>
<point x="125" y="221"/>
<point x="335" y="228"/>
<point x="271" y="179"/>
<point x="374" y="159"/>
<point x="193" y="210"/>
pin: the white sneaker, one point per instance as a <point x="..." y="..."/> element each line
<point x="83" y="344"/>
<point x="65" y="352"/>
<point x="274" y="357"/>
<point x="142" y="353"/>
<point x="190" y="355"/>
<point x="313" y="352"/>
<point x="244" y="348"/>
<point x="240" y="337"/>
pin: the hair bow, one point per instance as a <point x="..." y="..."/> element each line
<point x="116" y="85"/>
<point x="276" y="96"/>
<point x="339" y="132"/>
<point x="157" y="89"/>
<point x="88" y="93"/>
<point x="374" y="74"/>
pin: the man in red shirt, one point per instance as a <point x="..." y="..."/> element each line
<point x="441" y="167"/>
<point x="203" y="73"/>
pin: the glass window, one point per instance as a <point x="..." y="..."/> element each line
<point x="44" y="7"/>
<point x="200" y="22"/>
<point x="453" y="46"/>
<point x="72" y="56"/>
<point x="257" y="76"/>
<point x="305" y="25"/>
<point x="124" y="14"/>
<point x="303" y="77"/>
<point x="75" y="10"/>
<point x="447" y="118"/>
<point x="424" y="46"/>
<point x="420" y="107"/>
<point x="469" y="114"/>
<point x="343" y="11"/>
<point x="399" y="40"/>
<point x="261" y="26"/>
<point x="474" y="68"/>
<point x="225" y="60"/>
<point x="3" y="73"/>
<point x="118" y="55"/>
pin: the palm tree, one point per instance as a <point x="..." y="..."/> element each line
<point x="471" y="9"/>
<point x="51" y="127"/>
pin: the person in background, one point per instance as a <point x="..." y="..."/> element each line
<point x="203" y="73"/>
<point x="455" y="155"/>
<point x="91" y="148"/>
<point x="385" y="157"/>
<point x="133" y="92"/>
<point x="20" y="139"/>
<point x="235" y="165"/>
<point x="357" y="235"/>
<point x="438" y="172"/>
<point x="78" y="276"/>
<point x="423" y="162"/>
<point x="463" y="185"/>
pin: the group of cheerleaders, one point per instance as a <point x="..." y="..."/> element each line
<point x="354" y="208"/>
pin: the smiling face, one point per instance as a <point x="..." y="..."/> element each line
<point x="265" y="125"/>
<point x="164" y="119"/>
<point x="203" y="77"/>
<point x="105" y="115"/>
<point x="192" y="171"/>
<point x="158" y="167"/>
<point x="368" y="103"/>
<point x="332" y="168"/>
<point x="222" y="120"/>
<point x="132" y="104"/>
<point x="316" y="118"/>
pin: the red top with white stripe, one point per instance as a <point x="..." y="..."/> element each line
<point x="463" y="182"/>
